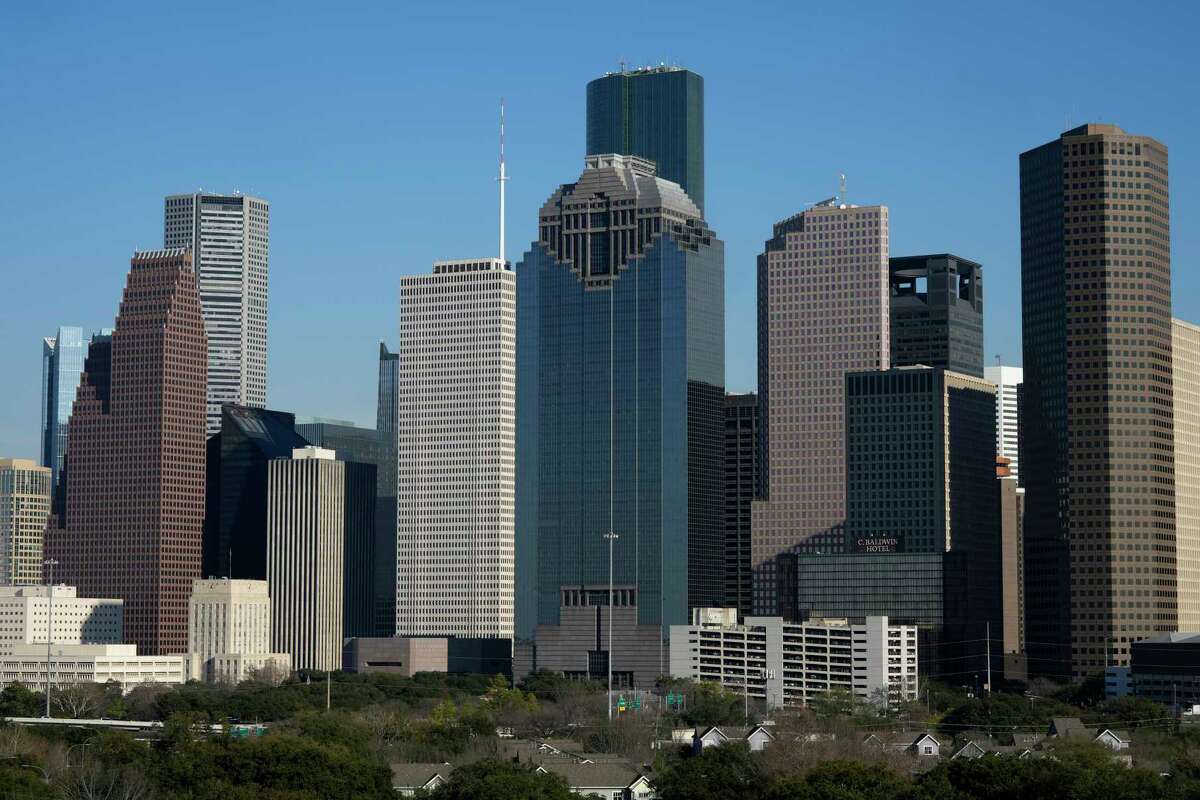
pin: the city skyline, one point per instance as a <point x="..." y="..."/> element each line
<point x="947" y="191"/>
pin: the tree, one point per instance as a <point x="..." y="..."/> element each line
<point x="841" y="780"/>
<point x="717" y="773"/>
<point x="500" y="780"/>
<point x="78" y="700"/>
<point x="16" y="700"/>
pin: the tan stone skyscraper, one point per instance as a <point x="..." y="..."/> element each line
<point x="1097" y="460"/>
<point x="822" y="312"/>
<point x="135" y="498"/>
<point x="24" y="508"/>
<point x="1185" y="355"/>
<point x="306" y="540"/>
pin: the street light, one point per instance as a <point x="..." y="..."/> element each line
<point x="612" y="537"/>
<point x="49" y="564"/>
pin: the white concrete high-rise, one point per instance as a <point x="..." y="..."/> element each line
<point x="24" y="508"/>
<point x="456" y="437"/>
<point x="228" y="235"/>
<point x="1007" y="379"/>
<point x="305" y="552"/>
<point x="1185" y="359"/>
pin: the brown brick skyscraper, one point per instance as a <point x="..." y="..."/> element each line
<point x="1097" y="460"/>
<point x="135" y="503"/>
<point x="822" y="312"/>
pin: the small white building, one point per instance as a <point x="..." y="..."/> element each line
<point x="229" y="630"/>
<point x="25" y="612"/>
<point x="785" y="663"/>
<point x="89" y="663"/>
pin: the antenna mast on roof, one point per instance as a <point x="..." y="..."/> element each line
<point x="842" y="190"/>
<point x="502" y="180"/>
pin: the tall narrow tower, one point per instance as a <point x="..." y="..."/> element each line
<point x="1096" y="411"/>
<point x="228" y="236"/>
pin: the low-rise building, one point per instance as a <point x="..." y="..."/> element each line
<point x="756" y="737"/>
<point x="614" y="780"/>
<point x="1166" y="668"/>
<point x="401" y="655"/>
<point x="25" y="615"/>
<point x="782" y="663"/>
<point x="89" y="663"/>
<point x="408" y="779"/>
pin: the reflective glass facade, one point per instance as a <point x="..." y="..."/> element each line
<point x="62" y="363"/>
<point x="655" y="113"/>
<point x="633" y="310"/>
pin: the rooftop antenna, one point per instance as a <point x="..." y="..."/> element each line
<point x="842" y="189"/>
<point x="997" y="359"/>
<point x="502" y="180"/>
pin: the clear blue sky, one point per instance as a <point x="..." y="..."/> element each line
<point x="371" y="130"/>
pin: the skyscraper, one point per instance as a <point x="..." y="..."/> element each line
<point x="937" y="313"/>
<point x="822" y="312"/>
<point x="235" y="520"/>
<point x="1096" y="413"/>
<point x="1185" y="358"/>
<point x="620" y="406"/>
<point x="741" y="485"/>
<point x="456" y="429"/>
<point x="24" y="509"/>
<point x="920" y="481"/>
<point x="1007" y="380"/>
<point x="135" y="496"/>
<point x="228" y="238"/>
<point x="655" y="113"/>
<point x="363" y="453"/>
<point x="385" y="505"/>
<point x="62" y="363"/>
<point x="1012" y="566"/>
<point x="305" y="547"/>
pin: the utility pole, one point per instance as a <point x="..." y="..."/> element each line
<point x="989" y="656"/>
<point x="328" y="684"/>
<point x="49" y="564"/>
<point x="612" y="537"/>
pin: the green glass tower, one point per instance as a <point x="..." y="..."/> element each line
<point x="656" y="113"/>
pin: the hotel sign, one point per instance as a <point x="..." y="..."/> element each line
<point x="877" y="544"/>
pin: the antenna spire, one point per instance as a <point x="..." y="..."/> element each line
<point x="502" y="179"/>
<point x="842" y="189"/>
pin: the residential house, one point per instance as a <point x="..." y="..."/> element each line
<point x="608" y="781"/>
<point x="756" y="738"/>
<point x="408" y="779"/>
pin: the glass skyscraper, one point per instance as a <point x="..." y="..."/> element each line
<point x="656" y="113"/>
<point x="620" y="415"/>
<point x="62" y="363"/>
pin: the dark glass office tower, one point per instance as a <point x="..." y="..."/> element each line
<point x="235" y="503"/>
<point x="1096" y="450"/>
<point x="920" y="480"/>
<point x="385" y="505"/>
<point x="741" y="486"/>
<point x="365" y="455"/>
<point x="620" y="419"/>
<point x="937" y="313"/>
<point x="656" y="113"/>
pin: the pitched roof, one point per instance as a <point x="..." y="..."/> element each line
<point x="1067" y="726"/>
<point x="614" y="775"/>
<point x="410" y="775"/>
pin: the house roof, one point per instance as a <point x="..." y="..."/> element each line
<point x="418" y="775"/>
<point x="1068" y="726"/>
<point x="607" y="775"/>
<point x="1122" y="736"/>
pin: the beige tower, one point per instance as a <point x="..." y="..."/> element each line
<point x="822" y="312"/>
<point x="24" y="509"/>
<point x="1185" y="358"/>
<point x="456" y="442"/>
<point x="305" y="549"/>
<point x="229" y="630"/>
